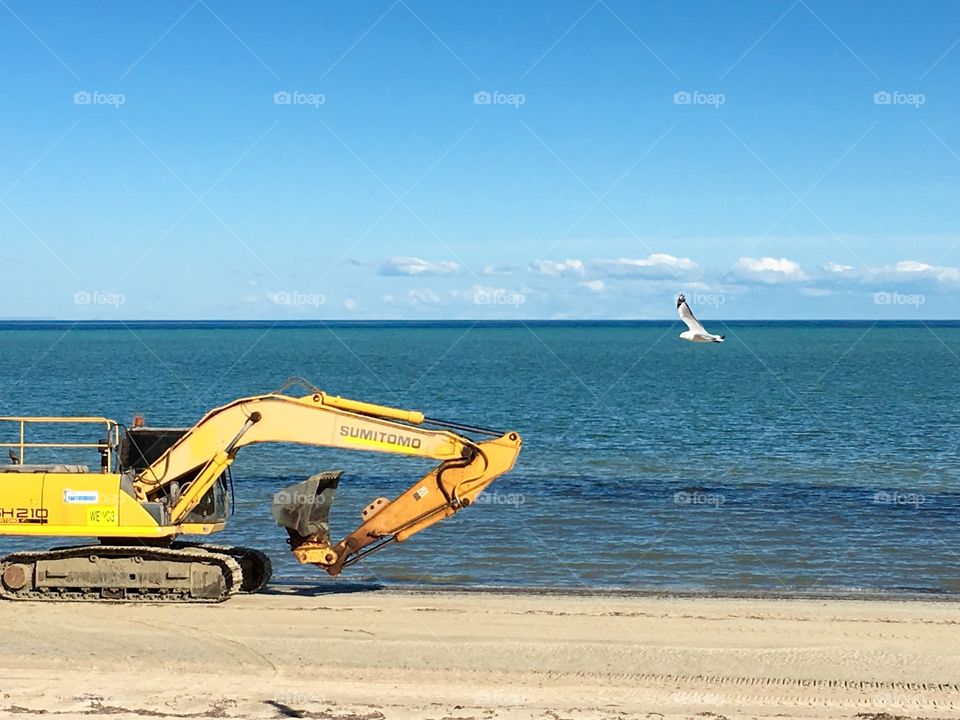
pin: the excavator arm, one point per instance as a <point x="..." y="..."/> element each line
<point x="189" y="469"/>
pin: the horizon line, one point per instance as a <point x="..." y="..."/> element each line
<point x="517" y="321"/>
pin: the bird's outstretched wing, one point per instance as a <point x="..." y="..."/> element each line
<point x="686" y="314"/>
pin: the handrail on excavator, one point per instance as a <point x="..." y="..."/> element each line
<point x="112" y="428"/>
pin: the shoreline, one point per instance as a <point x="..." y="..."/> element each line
<point x="400" y="655"/>
<point x="346" y="587"/>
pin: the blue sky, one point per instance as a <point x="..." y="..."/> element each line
<point x="419" y="159"/>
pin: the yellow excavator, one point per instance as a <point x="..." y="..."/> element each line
<point x="154" y="485"/>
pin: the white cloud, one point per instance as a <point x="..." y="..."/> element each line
<point x="905" y="271"/>
<point x="769" y="269"/>
<point x="417" y="267"/>
<point x="350" y="304"/>
<point x="499" y="269"/>
<point x="910" y="269"/>
<point x="564" y="268"/>
<point x="423" y="296"/>
<point x="654" y="265"/>
<point x="594" y="285"/>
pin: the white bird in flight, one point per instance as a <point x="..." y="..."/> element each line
<point x="696" y="332"/>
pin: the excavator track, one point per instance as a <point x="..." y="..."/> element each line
<point x="120" y="573"/>
<point x="256" y="564"/>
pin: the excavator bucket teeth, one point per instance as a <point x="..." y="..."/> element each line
<point x="304" y="508"/>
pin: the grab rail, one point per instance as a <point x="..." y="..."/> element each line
<point x="113" y="435"/>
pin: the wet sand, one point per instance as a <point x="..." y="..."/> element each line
<point x="393" y="654"/>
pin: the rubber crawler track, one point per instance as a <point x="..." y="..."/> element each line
<point x="237" y="552"/>
<point x="233" y="574"/>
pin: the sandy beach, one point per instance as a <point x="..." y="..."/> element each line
<point x="391" y="654"/>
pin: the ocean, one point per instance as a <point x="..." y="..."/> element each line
<point x="797" y="456"/>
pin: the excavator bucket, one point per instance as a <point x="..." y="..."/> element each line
<point x="304" y="508"/>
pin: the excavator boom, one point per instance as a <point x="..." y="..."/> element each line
<point x="188" y="470"/>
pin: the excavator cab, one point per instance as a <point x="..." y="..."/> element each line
<point x="141" y="447"/>
<point x="214" y="504"/>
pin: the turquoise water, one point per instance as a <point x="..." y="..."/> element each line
<point x="796" y="456"/>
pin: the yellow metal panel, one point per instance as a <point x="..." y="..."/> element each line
<point x="201" y="528"/>
<point x="21" y="503"/>
<point x="72" y="504"/>
<point x="68" y="497"/>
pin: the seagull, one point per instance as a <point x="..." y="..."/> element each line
<point x="696" y="333"/>
<point x="13" y="457"/>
